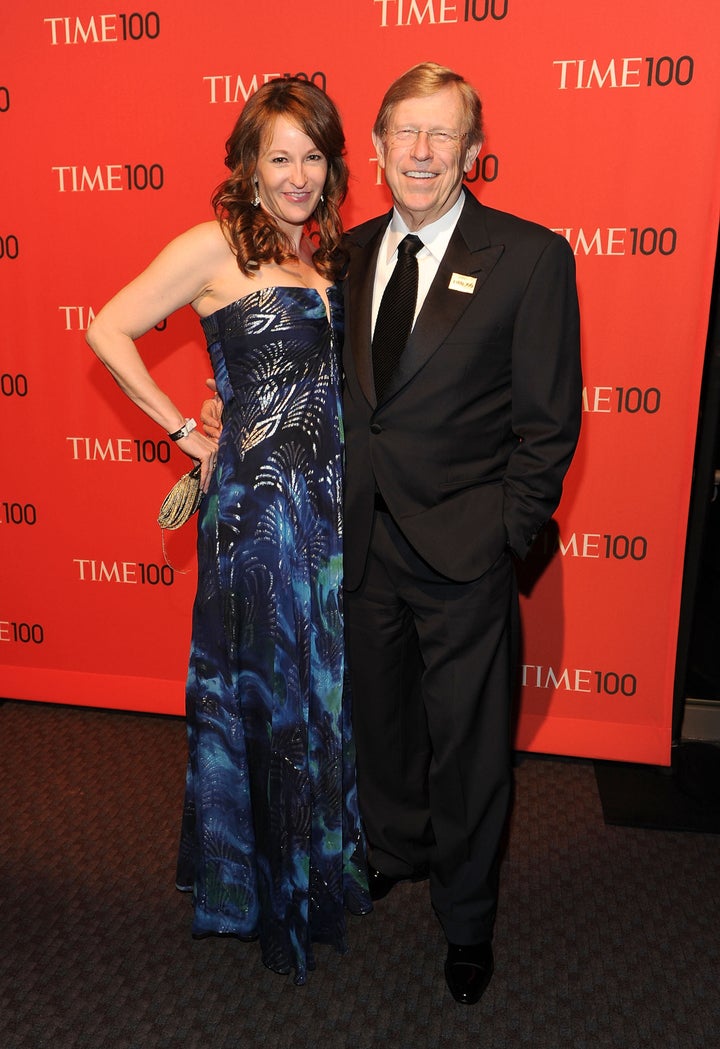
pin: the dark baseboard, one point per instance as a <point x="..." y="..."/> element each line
<point x="683" y="797"/>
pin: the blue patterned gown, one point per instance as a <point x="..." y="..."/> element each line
<point x="271" y="843"/>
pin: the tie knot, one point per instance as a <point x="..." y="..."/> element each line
<point x="409" y="245"/>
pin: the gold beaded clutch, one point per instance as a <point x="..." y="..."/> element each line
<point x="182" y="500"/>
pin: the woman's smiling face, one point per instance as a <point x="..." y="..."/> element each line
<point x="290" y="173"/>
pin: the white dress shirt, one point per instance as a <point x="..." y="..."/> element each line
<point x="435" y="237"/>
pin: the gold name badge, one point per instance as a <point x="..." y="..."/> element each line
<point x="459" y="282"/>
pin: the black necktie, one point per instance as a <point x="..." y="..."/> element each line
<point x="395" y="316"/>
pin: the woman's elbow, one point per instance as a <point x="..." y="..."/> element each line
<point x="95" y="336"/>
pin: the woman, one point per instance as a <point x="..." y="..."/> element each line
<point x="271" y="844"/>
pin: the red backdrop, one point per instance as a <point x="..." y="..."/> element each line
<point x="602" y="122"/>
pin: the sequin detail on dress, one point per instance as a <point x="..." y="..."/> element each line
<point x="271" y="842"/>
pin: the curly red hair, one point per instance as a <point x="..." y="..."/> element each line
<point x="253" y="234"/>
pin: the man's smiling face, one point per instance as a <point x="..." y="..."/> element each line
<point x="425" y="178"/>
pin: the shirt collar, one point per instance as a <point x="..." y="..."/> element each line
<point x="435" y="236"/>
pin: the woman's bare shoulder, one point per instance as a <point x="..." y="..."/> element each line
<point x="206" y="237"/>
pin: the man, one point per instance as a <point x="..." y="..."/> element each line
<point x="457" y="441"/>
<point x="457" y="463"/>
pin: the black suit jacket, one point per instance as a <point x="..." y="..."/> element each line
<point x="474" y="434"/>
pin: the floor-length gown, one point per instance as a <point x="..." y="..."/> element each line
<point x="271" y="843"/>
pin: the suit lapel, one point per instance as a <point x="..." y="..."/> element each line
<point x="361" y="279"/>
<point x="469" y="254"/>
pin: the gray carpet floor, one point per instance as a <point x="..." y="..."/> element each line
<point x="607" y="936"/>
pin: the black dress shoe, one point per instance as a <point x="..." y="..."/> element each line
<point x="380" y="884"/>
<point x="468" y="970"/>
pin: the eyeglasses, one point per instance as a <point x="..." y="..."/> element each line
<point x="408" y="136"/>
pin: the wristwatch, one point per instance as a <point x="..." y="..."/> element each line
<point x="188" y="426"/>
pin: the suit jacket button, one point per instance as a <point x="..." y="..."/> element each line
<point x="375" y="428"/>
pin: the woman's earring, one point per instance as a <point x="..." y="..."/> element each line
<point x="256" y="198"/>
<point x="322" y="198"/>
